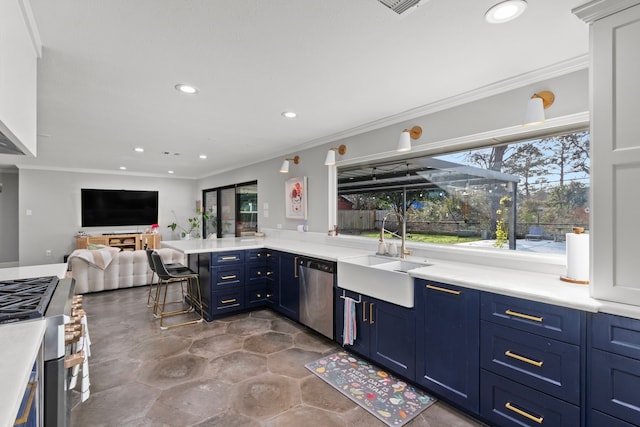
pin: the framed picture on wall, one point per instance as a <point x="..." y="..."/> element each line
<point x="295" y="198"/>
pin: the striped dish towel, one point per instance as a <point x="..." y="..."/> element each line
<point x="349" y="331"/>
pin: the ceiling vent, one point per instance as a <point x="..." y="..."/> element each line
<point x="401" y="6"/>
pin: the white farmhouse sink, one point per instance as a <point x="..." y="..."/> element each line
<point x="379" y="277"/>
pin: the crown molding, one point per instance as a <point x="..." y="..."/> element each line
<point x="598" y="9"/>
<point x="556" y="70"/>
<point x="498" y="136"/>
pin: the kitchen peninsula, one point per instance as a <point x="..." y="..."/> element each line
<point x="533" y="285"/>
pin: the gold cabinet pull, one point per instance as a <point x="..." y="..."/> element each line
<point x="364" y="311"/>
<point x="295" y="267"/>
<point x="524" y="359"/>
<point x="371" y="322"/>
<point x="268" y="295"/>
<point x="227" y="301"/>
<point x="523" y="316"/>
<point x="269" y="273"/>
<point x="259" y="255"/>
<point x="228" y="258"/>
<point x="519" y="411"/>
<point x="258" y="295"/>
<point x="259" y="273"/>
<point x="268" y="254"/>
<point x="233" y="276"/>
<point x="449" y="291"/>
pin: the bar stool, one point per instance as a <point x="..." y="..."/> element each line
<point x="176" y="266"/>
<point x="166" y="277"/>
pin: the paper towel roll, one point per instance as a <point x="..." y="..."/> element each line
<point x="578" y="256"/>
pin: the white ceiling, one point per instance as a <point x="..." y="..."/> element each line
<point x="108" y="69"/>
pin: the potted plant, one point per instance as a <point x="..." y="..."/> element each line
<point x="193" y="225"/>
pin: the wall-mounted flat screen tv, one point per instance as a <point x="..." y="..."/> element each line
<point x="102" y="208"/>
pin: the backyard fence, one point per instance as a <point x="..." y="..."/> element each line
<point x="366" y="221"/>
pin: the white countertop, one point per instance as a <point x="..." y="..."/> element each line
<point x="30" y="271"/>
<point x="311" y="249"/>
<point x="522" y="284"/>
<point x="19" y="344"/>
<point x="535" y="286"/>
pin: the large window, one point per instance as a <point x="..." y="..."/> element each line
<point x="524" y="195"/>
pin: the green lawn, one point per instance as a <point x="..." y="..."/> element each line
<point x="428" y="238"/>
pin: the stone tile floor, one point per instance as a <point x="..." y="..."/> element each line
<point x="243" y="370"/>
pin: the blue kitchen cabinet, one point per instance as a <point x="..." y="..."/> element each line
<point x="615" y="369"/>
<point x="289" y="287"/>
<point x="447" y="331"/>
<point x="273" y="278"/>
<point x="255" y="276"/>
<point x="385" y="332"/>
<point x="532" y="363"/>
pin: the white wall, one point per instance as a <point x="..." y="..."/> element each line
<point x="54" y="197"/>
<point x="9" y="218"/>
<point x="475" y="118"/>
<point x="54" y="201"/>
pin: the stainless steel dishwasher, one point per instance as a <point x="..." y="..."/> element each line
<point x="316" y="294"/>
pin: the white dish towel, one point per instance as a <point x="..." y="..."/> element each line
<point x="349" y="331"/>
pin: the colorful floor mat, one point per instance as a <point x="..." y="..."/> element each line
<point x="391" y="400"/>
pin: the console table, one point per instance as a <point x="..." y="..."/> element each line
<point x="127" y="242"/>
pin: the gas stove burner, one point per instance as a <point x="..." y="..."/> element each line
<point x="23" y="299"/>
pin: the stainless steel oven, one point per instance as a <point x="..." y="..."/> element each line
<point x="57" y="402"/>
<point x="317" y="278"/>
<point x="51" y="298"/>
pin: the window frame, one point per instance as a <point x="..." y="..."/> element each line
<point x="573" y="123"/>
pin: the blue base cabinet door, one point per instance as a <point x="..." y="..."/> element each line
<point x="362" y="342"/>
<point x="385" y="332"/>
<point x="289" y="289"/>
<point x="615" y="367"/>
<point x="393" y="330"/>
<point x="447" y="341"/>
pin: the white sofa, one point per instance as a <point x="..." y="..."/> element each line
<point x="127" y="269"/>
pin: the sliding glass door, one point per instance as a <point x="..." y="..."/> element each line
<point x="232" y="211"/>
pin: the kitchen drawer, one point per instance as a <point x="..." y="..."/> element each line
<point x="615" y="385"/>
<point x="547" y="365"/>
<point x="227" y="277"/>
<point x="255" y="296"/>
<point x="255" y="273"/>
<point x="507" y="403"/>
<point x="616" y="334"/>
<point x="230" y="257"/>
<point x="255" y="255"/>
<point x="598" y="419"/>
<point x="228" y="301"/>
<point x="551" y="321"/>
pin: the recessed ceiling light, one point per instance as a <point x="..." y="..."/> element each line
<point x="289" y="115"/>
<point x="505" y="11"/>
<point x="139" y="149"/>
<point x="169" y="171"/>
<point x="203" y="156"/>
<point x="123" y="168"/>
<point x="184" y="88"/>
